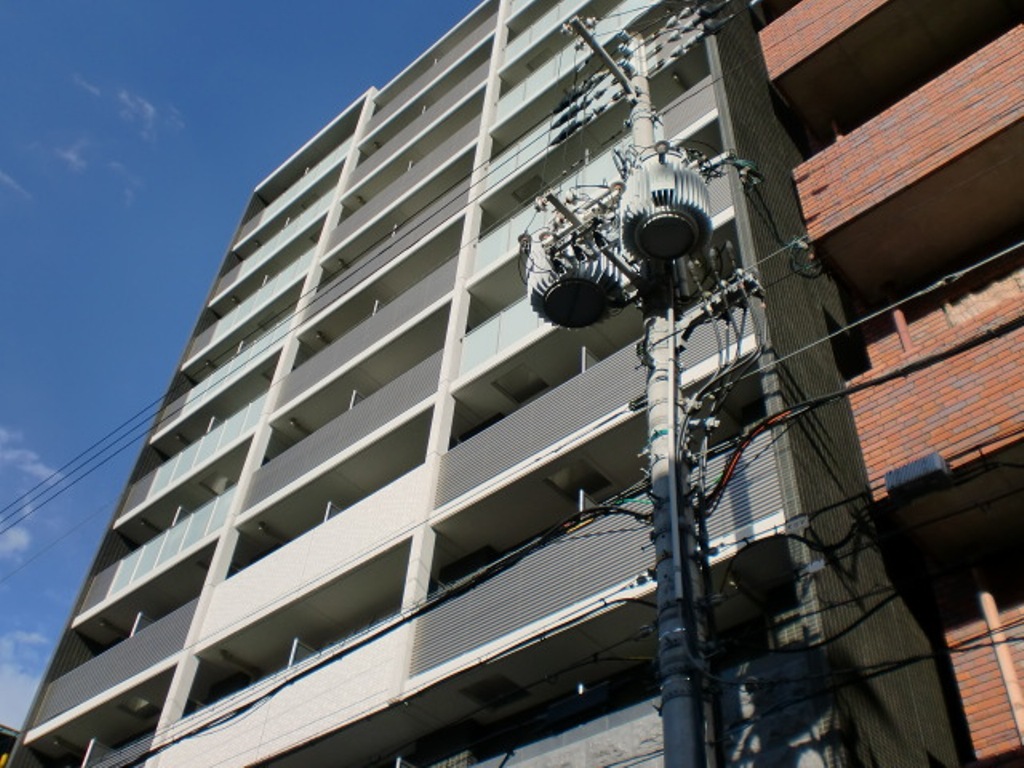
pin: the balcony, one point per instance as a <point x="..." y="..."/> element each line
<point x="373" y="329"/>
<point x="871" y="201"/>
<point x="438" y="158"/>
<point x="457" y="94"/>
<point x="837" y="65"/>
<point x="394" y="399"/>
<point x="155" y="554"/>
<point x="266" y="251"/>
<point x="196" y="455"/>
<point x="296" y="190"/>
<point x="349" y="537"/>
<point x="601" y="390"/>
<point x="241" y="366"/>
<point x="255" y="303"/>
<point x="139" y="653"/>
<point x="570" y="570"/>
<point x="432" y="69"/>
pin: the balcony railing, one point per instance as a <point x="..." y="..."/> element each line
<point x="351" y="536"/>
<point x="146" y="648"/>
<point x="195" y="455"/>
<point x="295" y="191"/>
<point x="504" y="238"/>
<point x="157" y="552"/>
<point x="512" y="324"/>
<point x="436" y="159"/>
<point x="257" y="301"/>
<point x="407" y="94"/>
<point x="390" y="401"/>
<point x="370" y="330"/>
<point x="689" y="108"/>
<point x="471" y="83"/>
<point x="251" y="355"/>
<point x="548" y="73"/>
<point x="582" y="564"/>
<point x="574" y="405"/>
<point x="389" y="248"/>
<point x="270" y="248"/>
<point x="582" y="400"/>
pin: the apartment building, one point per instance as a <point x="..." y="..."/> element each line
<point x="911" y="196"/>
<point x="353" y="535"/>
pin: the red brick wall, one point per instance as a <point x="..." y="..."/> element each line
<point x="962" y="407"/>
<point x="968" y="104"/>
<point x="808" y="27"/>
<point x="985" y="702"/>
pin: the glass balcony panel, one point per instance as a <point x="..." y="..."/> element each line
<point x="480" y="344"/>
<point x="500" y="332"/>
<point x="517" y="322"/>
<point x="126" y="571"/>
<point x="194" y="531"/>
<point x="172" y="546"/>
<point x="219" y="510"/>
<point x="150" y="554"/>
<point x="504" y="239"/>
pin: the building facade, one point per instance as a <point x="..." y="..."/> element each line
<point x="353" y="536"/>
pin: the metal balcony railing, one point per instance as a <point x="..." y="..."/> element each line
<point x="370" y="330"/>
<point x="146" y="648"/>
<point x="467" y="86"/>
<point x="582" y="564"/>
<point x="407" y="94"/>
<point x="390" y="401"/>
<point x="436" y="159"/>
<point x="389" y="248"/>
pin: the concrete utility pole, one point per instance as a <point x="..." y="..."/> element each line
<point x="675" y="539"/>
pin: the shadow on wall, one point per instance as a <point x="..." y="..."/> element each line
<point x="770" y="715"/>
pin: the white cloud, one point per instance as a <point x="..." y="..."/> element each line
<point x="13" y="542"/>
<point x="11" y="184"/>
<point x="85" y="85"/>
<point x="23" y="460"/>
<point x="74" y="155"/>
<point x="21" y="658"/>
<point x="135" y="109"/>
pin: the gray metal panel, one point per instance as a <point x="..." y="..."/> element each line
<point x="691" y="106"/>
<point x="754" y="491"/>
<point x="571" y="406"/>
<point x="228" y="278"/>
<point x="402" y="98"/>
<point x="127" y="755"/>
<point x="202" y="339"/>
<point x="391" y="400"/>
<point x="557" y="414"/>
<point x="437" y="158"/>
<point x="721" y="196"/>
<point x="148" y="647"/>
<point x="390" y="248"/>
<point x="570" y="569"/>
<point x="472" y="83"/>
<point x="389" y="317"/>
<point x="99" y="587"/>
<point x="138" y="493"/>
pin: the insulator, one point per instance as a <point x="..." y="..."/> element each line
<point x="576" y="291"/>
<point x="711" y="9"/>
<point x="666" y="210"/>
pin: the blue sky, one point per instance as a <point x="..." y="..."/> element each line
<point x="131" y="134"/>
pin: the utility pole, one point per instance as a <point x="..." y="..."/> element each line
<point x="678" y="578"/>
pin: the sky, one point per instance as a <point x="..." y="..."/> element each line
<point x="131" y="135"/>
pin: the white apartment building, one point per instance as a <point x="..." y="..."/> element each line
<point x="342" y="544"/>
